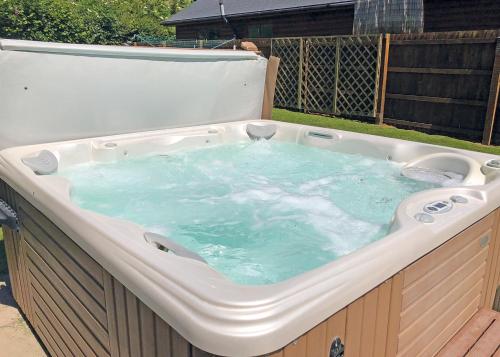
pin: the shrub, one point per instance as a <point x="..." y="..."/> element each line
<point x="85" y="21"/>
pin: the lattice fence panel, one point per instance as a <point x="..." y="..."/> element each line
<point x="288" y="82"/>
<point x="319" y="79"/>
<point x="359" y="70"/>
<point x="333" y="75"/>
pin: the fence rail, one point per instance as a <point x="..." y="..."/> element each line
<point x="332" y="75"/>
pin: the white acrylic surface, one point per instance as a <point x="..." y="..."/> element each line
<point x="207" y="309"/>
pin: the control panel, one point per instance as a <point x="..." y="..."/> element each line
<point x="438" y="207"/>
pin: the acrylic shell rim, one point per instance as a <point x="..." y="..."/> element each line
<point x="208" y="310"/>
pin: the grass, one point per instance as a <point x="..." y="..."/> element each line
<point x="3" y="258"/>
<point x="380" y="130"/>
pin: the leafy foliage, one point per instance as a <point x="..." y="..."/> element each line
<point x="86" y="21"/>
<point x="177" y="5"/>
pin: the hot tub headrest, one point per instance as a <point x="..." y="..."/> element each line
<point x="44" y="163"/>
<point x="257" y="132"/>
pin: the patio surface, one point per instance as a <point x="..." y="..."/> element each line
<point x="16" y="337"/>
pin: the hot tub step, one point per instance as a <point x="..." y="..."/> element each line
<point x="479" y="337"/>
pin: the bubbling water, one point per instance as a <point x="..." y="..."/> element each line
<point x="259" y="212"/>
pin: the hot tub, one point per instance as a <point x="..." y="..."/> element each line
<point x="95" y="282"/>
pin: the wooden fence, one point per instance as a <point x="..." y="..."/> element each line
<point x="444" y="83"/>
<point x="333" y="75"/>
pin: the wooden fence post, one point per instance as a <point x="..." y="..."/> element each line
<point x="337" y="72"/>
<point x="270" y="87"/>
<point x="301" y="69"/>
<point x="493" y="99"/>
<point x="378" y="82"/>
<point x="379" y="119"/>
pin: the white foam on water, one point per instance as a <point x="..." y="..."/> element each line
<point x="259" y="212"/>
<point x="331" y="221"/>
<point x="315" y="184"/>
<point x="262" y="194"/>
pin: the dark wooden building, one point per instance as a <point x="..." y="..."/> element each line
<point x="288" y="18"/>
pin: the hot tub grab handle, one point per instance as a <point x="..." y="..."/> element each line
<point x="8" y="217"/>
<point x="165" y="244"/>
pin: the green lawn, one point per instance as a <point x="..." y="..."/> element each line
<point x="3" y="258"/>
<point x="380" y="130"/>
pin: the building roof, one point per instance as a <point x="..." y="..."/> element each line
<point x="205" y="10"/>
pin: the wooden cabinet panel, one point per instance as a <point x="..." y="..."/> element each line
<point x="443" y="289"/>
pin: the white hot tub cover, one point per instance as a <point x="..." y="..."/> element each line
<point x="59" y="91"/>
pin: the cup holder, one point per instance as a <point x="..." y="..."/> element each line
<point x="493" y="164"/>
<point x="491" y="167"/>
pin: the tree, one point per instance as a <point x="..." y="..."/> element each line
<point x="86" y="21"/>
<point x="177" y="5"/>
